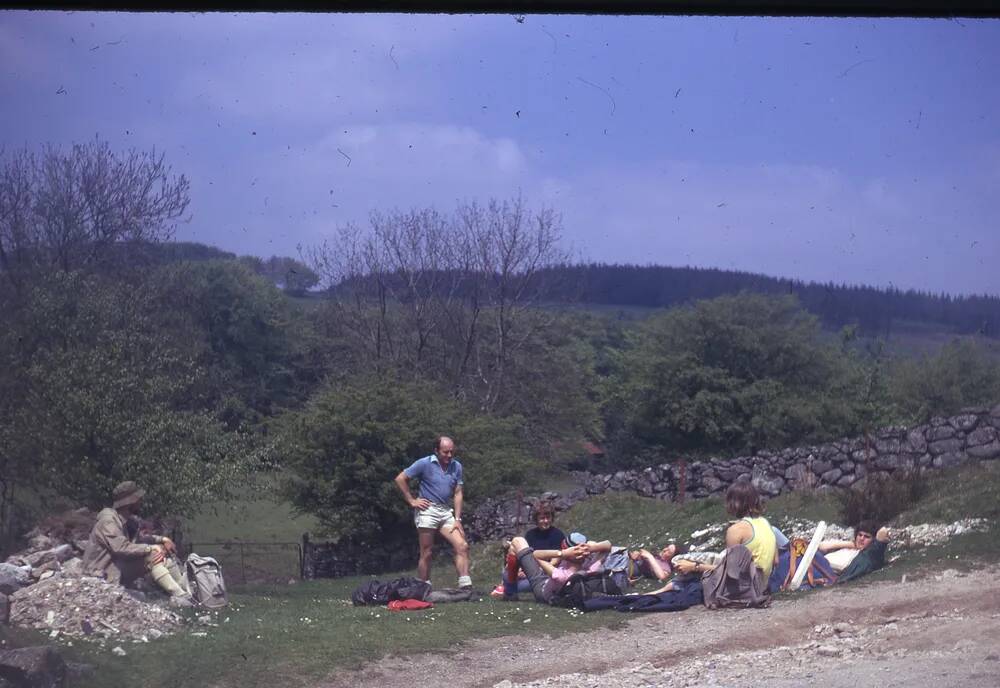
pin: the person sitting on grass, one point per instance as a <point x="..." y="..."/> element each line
<point x="851" y="559"/>
<point x="751" y="548"/>
<point x="547" y="579"/>
<point x="544" y="536"/>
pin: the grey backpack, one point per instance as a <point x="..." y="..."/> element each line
<point x="208" y="588"/>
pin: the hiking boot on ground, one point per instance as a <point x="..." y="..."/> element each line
<point x="181" y="601"/>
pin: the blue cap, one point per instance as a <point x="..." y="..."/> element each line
<point x="576" y="539"/>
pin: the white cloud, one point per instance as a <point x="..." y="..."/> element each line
<point x="457" y="157"/>
<point x="353" y="170"/>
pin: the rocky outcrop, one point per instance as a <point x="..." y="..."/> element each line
<point x="13" y="577"/>
<point x="82" y="607"/>
<point x="37" y="667"/>
<point x="43" y="588"/>
<point x="972" y="435"/>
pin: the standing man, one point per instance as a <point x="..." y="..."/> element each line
<point x="440" y="476"/>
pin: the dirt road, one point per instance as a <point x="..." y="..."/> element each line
<point x="941" y="630"/>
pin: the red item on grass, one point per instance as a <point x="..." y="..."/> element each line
<point x="405" y="605"/>
<point x="513" y="567"/>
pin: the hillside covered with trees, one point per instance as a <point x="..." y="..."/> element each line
<point x="126" y="355"/>
<point x="870" y="308"/>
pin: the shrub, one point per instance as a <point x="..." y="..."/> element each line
<point x="343" y="450"/>
<point x="736" y="373"/>
<point x="882" y="496"/>
<point x="963" y="373"/>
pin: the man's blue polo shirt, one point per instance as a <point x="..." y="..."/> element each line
<point x="436" y="483"/>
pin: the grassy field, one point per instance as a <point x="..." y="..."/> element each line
<point x="294" y="634"/>
<point x="261" y="536"/>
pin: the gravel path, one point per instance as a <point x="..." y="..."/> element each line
<point x="939" y="630"/>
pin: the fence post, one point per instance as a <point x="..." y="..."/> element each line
<point x="305" y="555"/>
<point x="681" y="480"/>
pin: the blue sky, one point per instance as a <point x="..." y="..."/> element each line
<point x="852" y="150"/>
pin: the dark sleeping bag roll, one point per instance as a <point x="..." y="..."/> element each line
<point x="453" y="595"/>
<point x="686" y="593"/>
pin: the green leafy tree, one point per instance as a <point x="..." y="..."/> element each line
<point x="258" y="353"/>
<point x="293" y="276"/>
<point x="344" y="448"/>
<point x="103" y="395"/>
<point x="963" y="373"/>
<point x="736" y="373"/>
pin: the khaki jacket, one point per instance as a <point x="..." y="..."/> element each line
<point x="735" y="582"/>
<point x="109" y="549"/>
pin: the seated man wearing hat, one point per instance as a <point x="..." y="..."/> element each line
<point x="114" y="556"/>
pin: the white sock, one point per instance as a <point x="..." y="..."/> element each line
<point x="464" y="581"/>
<point x="163" y="578"/>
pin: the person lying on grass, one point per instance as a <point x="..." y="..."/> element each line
<point x="852" y="559"/>
<point x="656" y="566"/>
<point x="547" y="579"/>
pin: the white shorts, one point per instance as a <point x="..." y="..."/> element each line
<point x="435" y="516"/>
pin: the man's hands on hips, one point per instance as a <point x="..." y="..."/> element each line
<point x="420" y="503"/>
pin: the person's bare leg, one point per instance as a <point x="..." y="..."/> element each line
<point x="461" y="547"/>
<point x="426" y="538"/>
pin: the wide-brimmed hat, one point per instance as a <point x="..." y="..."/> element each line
<point x="127" y="493"/>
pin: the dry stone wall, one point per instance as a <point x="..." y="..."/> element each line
<point x="972" y="435"/>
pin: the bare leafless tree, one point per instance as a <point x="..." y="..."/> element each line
<point x="419" y="261"/>
<point x="416" y="287"/>
<point x="354" y="266"/>
<point x="509" y="246"/>
<point x="71" y="209"/>
<point x="16" y="202"/>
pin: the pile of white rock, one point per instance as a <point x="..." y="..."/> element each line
<point x="42" y="587"/>
<point x="89" y="607"/>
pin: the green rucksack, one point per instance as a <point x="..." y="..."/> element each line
<point x="208" y="587"/>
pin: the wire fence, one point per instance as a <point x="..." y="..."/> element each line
<point x="254" y="562"/>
